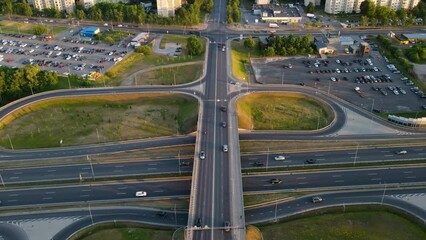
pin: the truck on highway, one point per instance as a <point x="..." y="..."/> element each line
<point x="273" y="25"/>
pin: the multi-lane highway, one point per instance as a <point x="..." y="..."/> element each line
<point x="291" y="181"/>
<point x="184" y="165"/>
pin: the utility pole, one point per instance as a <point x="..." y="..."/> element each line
<point x="179" y="165"/>
<point x="91" y="166"/>
<point x="90" y="212"/>
<point x="10" y="141"/>
<point x="97" y="134"/>
<point x="282" y="79"/>
<point x="276" y="209"/>
<point x="267" y="159"/>
<point x="2" y="182"/>
<point x="175" y="216"/>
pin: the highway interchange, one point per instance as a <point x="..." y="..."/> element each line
<point x="216" y="187"/>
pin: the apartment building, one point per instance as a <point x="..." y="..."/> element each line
<point x="348" y="6"/>
<point x="61" y="5"/>
<point x="166" y="8"/>
<point x="262" y="2"/>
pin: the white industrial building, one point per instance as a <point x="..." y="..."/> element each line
<point x="284" y="13"/>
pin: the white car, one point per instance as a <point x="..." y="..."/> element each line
<point x="140" y="194"/>
<point x="279" y="158"/>
<point x="333" y="79"/>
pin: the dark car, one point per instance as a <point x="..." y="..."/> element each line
<point x="198" y="222"/>
<point x="311" y="161"/>
<point x="276" y="181"/>
<point x="162" y="214"/>
<point x="227" y="227"/>
<point x="202" y="155"/>
<point x="185" y="163"/>
<point x="224" y="124"/>
<point x="258" y="164"/>
<point x="223" y="109"/>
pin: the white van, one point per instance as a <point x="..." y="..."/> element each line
<point x="401" y="152"/>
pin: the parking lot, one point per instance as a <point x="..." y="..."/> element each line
<point x="65" y="54"/>
<point x="364" y="81"/>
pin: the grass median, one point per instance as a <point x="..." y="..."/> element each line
<point x="27" y="28"/>
<point x="171" y="75"/>
<point x="98" y="119"/>
<point x="240" y="58"/>
<point x="173" y="39"/>
<point x="282" y="111"/>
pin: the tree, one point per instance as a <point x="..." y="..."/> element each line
<point x="229" y="14"/>
<point x="236" y="15"/>
<point x="367" y="8"/>
<point x="310" y="8"/>
<point x="28" y="11"/>
<point x="364" y="21"/>
<point x="146" y="50"/>
<point x="209" y="5"/>
<point x="194" y="45"/>
<point x="40" y="29"/>
<point x="269" y="51"/>
<point x="374" y="22"/>
<point x="109" y="40"/>
<point x="249" y="43"/>
<point x="81" y="15"/>
<point x="7" y="7"/>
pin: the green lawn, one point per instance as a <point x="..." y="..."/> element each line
<point x="373" y="225"/>
<point x="418" y="114"/>
<point x="240" y="58"/>
<point x="130" y="234"/>
<point x="90" y="120"/>
<point x="170" y="75"/>
<point x="26" y="28"/>
<point x="116" y="35"/>
<point x="278" y="111"/>
<point x="171" y="38"/>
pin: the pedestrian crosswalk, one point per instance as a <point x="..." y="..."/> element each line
<point x="20" y="222"/>
<point x="408" y="196"/>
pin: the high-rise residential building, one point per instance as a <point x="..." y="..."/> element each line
<point x="349" y="6"/>
<point x="263" y="2"/>
<point x="315" y="2"/>
<point x="61" y="5"/>
<point x="166" y="8"/>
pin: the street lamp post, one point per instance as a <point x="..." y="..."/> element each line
<point x="267" y="159"/>
<point x="91" y="167"/>
<point x="356" y="153"/>
<point x="179" y="164"/>
<point x="383" y="196"/>
<point x="10" y="141"/>
<point x="2" y="182"/>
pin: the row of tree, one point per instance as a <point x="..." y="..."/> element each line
<point x="233" y="12"/>
<point x="288" y="45"/>
<point x="188" y="14"/>
<point x="16" y="83"/>
<point x="417" y="53"/>
<point x="393" y="52"/>
<point x="384" y="15"/>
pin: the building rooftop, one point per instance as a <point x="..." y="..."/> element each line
<point x="277" y="10"/>
<point x="415" y="35"/>
<point x="90" y="29"/>
<point x="320" y="45"/>
<point x="346" y="39"/>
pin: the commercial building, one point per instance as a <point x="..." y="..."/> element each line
<point x="349" y="6"/>
<point x="89" y="32"/>
<point x="166" y="8"/>
<point x="140" y="38"/>
<point x="346" y="40"/>
<point x="323" y="48"/>
<point x="364" y="49"/>
<point x="284" y="13"/>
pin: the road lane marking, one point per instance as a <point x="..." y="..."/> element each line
<point x="336" y="176"/>
<point x="158" y="191"/>
<point x="121" y="188"/>
<point x="17" y="173"/>
<point x="84" y="195"/>
<point x="408" y="172"/>
<point x="301" y="178"/>
<point x="320" y="159"/>
<point x="421" y="153"/>
<point x="12" y="200"/>
<point x="411" y="177"/>
<point x="49" y="192"/>
<point x="319" y="155"/>
<point x="85" y="168"/>
<point x="13" y="195"/>
<point x="152" y="164"/>
<point x="372" y="174"/>
<point x="418" y="149"/>
<point x="51" y="170"/>
<point x="121" y="193"/>
<point x="152" y="169"/>
<point x="47" y="198"/>
<point x="339" y="181"/>
<point x="86" y="190"/>
<point x="302" y="183"/>
<point x="384" y="151"/>
<point x="118" y="170"/>
<point x="118" y="166"/>
<point x="14" y="178"/>
<point x="376" y="179"/>
<point x="389" y="155"/>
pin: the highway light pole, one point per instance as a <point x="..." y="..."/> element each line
<point x="267" y="159"/>
<point x="10" y="141"/>
<point x="276" y="209"/>
<point x="179" y="164"/>
<point x="175" y="216"/>
<point x="91" y="166"/>
<point x="2" y="182"/>
<point x="282" y="78"/>
<point x="90" y="212"/>
<point x="356" y="153"/>
<point x="383" y="196"/>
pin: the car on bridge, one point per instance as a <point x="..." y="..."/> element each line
<point x="311" y="161"/>
<point x="401" y="152"/>
<point x="225" y="148"/>
<point x="227" y="226"/>
<point x="202" y="155"/>
<point x="279" y="158"/>
<point x="258" y="164"/>
<point x="224" y="124"/>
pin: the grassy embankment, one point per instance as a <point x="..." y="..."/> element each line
<point x="171" y="38"/>
<point x="115" y="35"/>
<point x="170" y="75"/>
<point x="282" y="111"/>
<point x="364" y="225"/>
<point x="240" y="59"/>
<point x="90" y="120"/>
<point x="137" y="61"/>
<point x="26" y="28"/>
